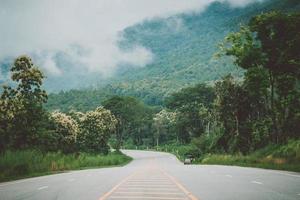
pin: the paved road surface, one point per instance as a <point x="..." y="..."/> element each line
<point x="161" y="176"/>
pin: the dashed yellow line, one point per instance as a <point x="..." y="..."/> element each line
<point x="161" y="186"/>
<point x="143" y="197"/>
<point x="189" y="194"/>
<point x="116" y="187"/>
<point x="152" y="193"/>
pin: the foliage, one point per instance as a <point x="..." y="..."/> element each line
<point x="267" y="49"/>
<point x="96" y="128"/>
<point x="193" y="105"/>
<point x="65" y="131"/>
<point x="163" y="123"/>
<point x="21" y="107"/>
<point x="134" y="119"/>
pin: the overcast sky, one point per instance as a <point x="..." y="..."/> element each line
<point x="45" y="27"/>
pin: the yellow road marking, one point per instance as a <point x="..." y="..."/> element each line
<point x="189" y="194"/>
<point x="148" y="185"/>
<point x="116" y="187"/>
<point x="154" y="173"/>
<point x="152" y="193"/>
<point x="143" y="197"/>
<point x="159" y="189"/>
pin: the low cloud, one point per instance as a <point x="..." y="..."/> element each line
<point x="85" y="32"/>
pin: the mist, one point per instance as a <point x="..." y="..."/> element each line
<point x="78" y="40"/>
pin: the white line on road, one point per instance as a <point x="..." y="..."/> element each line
<point x="286" y="174"/>
<point x="71" y="179"/>
<point x="257" y="182"/>
<point x="41" y="188"/>
<point x="12" y="183"/>
<point x="228" y="175"/>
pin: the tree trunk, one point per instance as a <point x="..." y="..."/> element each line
<point x="237" y="125"/>
<point x="208" y="128"/>
<point x="273" y="112"/>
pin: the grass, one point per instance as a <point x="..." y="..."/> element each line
<point x="29" y="163"/>
<point x="280" y="157"/>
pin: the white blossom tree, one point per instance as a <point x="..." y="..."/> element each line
<point x="96" y="128"/>
<point x="66" y="130"/>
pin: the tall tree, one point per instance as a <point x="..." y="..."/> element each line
<point x="188" y="102"/>
<point x="132" y="115"/>
<point x="271" y="43"/>
<point x="24" y="104"/>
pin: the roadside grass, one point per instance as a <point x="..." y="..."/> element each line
<point x="29" y="163"/>
<point x="280" y="157"/>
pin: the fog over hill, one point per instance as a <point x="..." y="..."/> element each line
<point x="81" y="41"/>
<point x="130" y="51"/>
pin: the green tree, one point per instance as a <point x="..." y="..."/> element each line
<point x="132" y="115"/>
<point x="232" y="105"/>
<point x="22" y="106"/>
<point x="163" y="122"/>
<point x="188" y="102"/>
<point x="270" y="43"/>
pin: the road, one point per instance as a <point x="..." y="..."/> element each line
<point x="153" y="175"/>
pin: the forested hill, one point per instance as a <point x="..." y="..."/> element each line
<point x="183" y="47"/>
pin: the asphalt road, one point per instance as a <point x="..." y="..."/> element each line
<point x="153" y="175"/>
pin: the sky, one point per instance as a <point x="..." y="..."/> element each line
<point x="85" y="32"/>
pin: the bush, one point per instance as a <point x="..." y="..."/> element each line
<point x="16" y="164"/>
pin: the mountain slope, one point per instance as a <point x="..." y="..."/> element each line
<point x="183" y="47"/>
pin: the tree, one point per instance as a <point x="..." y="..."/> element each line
<point x="232" y="105"/>
<point x="65" y="132"/>
<point x="188" y="102"/>
<point x="22" y="106"/>
<point x="163" y="121"/>
<point x="96" y="128"/>
<point x="270" y="43"/>
<point x="7" y="110"/>
<point x="132" y="116"/>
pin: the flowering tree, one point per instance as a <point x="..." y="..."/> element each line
<point x="21" y="111"/>
<point x="66" y="130"/>
<point x="96" y="128"/>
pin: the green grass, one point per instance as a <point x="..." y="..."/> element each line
<point x="284" y="157"/>
<point x="28" y="163"/>
<point x="280" y="157"/>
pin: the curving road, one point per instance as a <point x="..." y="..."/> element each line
<point x="153" y="175"/>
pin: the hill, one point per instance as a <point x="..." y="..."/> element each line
<point x="183" y="47"/>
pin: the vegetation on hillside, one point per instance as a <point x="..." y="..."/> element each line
<point x="183" y="47"/>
